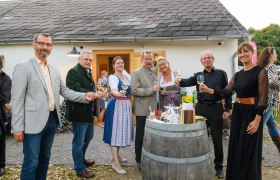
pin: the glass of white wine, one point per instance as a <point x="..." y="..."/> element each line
<point x="200" y="80"/>
<point x="102" y="87"/>
<point x="124" y="87"/>
<point x="178" y="74"/>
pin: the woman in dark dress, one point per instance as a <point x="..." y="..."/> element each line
<point x="245" y="143"/>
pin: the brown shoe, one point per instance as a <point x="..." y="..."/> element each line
<point x="89" y="163"/>
<point x="86" y="174"/>
<point x="276" y="141"/>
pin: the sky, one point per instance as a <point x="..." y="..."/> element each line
<point x="254" y="13"/>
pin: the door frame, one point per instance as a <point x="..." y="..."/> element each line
<point x="95" y="62"/>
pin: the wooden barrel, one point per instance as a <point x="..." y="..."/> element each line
<point x="176" y="151"/>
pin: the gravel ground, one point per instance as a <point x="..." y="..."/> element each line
<point x="100" y="152"/>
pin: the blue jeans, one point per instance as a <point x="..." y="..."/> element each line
<point x="268" y="119"/>
<point x="83" y="134"/>
<point x="37" y="151"/>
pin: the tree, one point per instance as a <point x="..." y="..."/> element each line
<point x="268" y="36"/>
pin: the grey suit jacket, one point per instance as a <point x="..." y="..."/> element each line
<point x="141" y="87"/>
<point x="30" y="100"/>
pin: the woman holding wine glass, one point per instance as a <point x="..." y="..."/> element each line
<point x="246" y="132"/>
<point x="170" y="92"/>
<point x="118" y="119"/>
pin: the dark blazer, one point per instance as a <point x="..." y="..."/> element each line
<point x="78" y="79"/>
<point x="5" y="88"/>
<point x="5" y="95"/>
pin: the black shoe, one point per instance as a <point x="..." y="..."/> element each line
<point x="139" y="166"/>
<point x="2" y="171"/>
<point x="220" y="174"/>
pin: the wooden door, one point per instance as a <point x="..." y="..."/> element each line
<point x="136" y="59"/>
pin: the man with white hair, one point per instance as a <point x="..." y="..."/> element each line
<point x="209" y="105"/>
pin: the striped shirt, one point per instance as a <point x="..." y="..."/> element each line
<point x="274" y="84"/>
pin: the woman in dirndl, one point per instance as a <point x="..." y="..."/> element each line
<point x="170" y="92"/>
<point x="118" y="118"/>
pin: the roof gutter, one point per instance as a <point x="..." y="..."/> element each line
<point x="123" y="39"/>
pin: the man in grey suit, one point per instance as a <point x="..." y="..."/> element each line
<point x="143" y="87"/>
<point x="36" y="90"/>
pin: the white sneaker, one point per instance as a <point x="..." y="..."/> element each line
<point x="121" y="171"/>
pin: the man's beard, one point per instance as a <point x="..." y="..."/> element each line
<point x="43" y="55"/>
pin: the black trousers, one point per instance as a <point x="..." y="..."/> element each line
<point x="140" y="128"/>
<point x="2" y="152"/>
<point x="2" y="140"/>
<point x="214" y="113"/>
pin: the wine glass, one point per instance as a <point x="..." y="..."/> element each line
<point x="157" y="92"/>
<point x="124" y="87"/>
<point x="102" y="87"/>
<point x="178" y="74"/>
<point x="155" y="82"/>
<point x="164" y="84"/>
<point x="200" y="80"/>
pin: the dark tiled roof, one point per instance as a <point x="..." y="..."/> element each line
<point x="6" y="6"/>
<point x="117" y="19"/>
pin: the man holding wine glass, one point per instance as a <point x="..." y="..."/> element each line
<point x="210" y="105"/>
<point x="35" y="103"/>
<point x="79" y="78"/>
<point x="144" y="89"/>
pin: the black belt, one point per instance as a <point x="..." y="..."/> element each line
<point x="209" y="102"/>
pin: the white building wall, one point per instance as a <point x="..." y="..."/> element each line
<point x="183" y="55"/>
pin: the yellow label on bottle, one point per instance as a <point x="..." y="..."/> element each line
<point x="184" y="98"/>
<point x="188" y="99"/>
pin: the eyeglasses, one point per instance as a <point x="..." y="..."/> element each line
<point x="42" y="44"/>
<point x="87" y="59"/>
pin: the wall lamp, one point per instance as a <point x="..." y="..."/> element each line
<point x="74" y="52"/>
<point x="221" y="43"/>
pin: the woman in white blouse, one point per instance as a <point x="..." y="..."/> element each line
<point x="118" y="118"/>
<point x="170" y="92"/>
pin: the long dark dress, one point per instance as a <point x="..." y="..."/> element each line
<point x="245" y="151"/>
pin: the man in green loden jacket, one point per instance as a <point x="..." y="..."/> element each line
<point x="79" y="78"/>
